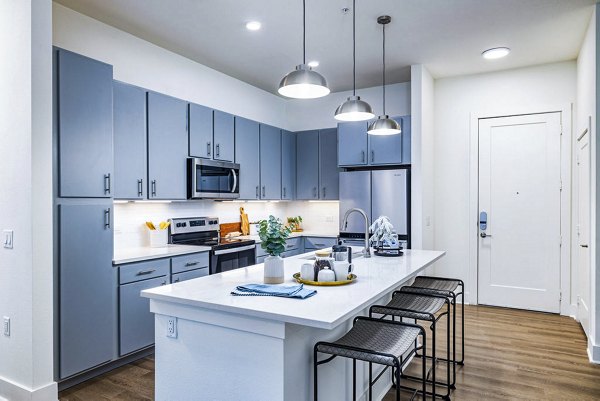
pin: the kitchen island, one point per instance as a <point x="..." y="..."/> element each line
<point x="260" y="348"/>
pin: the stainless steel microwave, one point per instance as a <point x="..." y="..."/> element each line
<point x="212" y="179"/>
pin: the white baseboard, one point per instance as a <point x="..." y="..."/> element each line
<point x="11" y="391"/>
<point x="593" y="351"/>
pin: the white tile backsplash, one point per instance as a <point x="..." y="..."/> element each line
<point x="130" y="230"/>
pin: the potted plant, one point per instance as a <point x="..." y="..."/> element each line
<point x="294" y="223"/>
<point x="384" y="235"/>
<point x="273" y="235"/>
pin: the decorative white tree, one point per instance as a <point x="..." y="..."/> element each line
<point x="383" y="233"/>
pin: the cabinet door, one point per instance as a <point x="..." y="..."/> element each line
<point x="270" y="162"/>
<point x="223" y="136"/>
<point x="328" y="165"/>
<point x="386" y="149"/>
<point x="288" y="165"/>
<point x="189" y="275"/>
<point x="406" y="140"/>
<point x="85" y="126"/>
<point x="87" y="287"/>
<point x="307" y="165"/>
<point x="129" y="105"/>
<point x="167" y="147"/>
<point x="136" y="322"/>
<point x="352" y="143"/>
<point x="201" y="131"/>
<point x="247" y="153"/>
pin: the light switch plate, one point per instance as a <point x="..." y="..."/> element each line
<point x="7" y="236"/>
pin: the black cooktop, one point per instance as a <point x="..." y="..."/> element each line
<point x="220" y="243"/>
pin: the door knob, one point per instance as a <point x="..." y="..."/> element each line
<point x="584" y="245"/>
<point x="484" y="235"/>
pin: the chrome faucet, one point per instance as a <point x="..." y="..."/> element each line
<point x="367" y="250"/>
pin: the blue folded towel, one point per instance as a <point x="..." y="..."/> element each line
<point x="285" y="291"/>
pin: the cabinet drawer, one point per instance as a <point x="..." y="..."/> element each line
<point x="144" y="270"/>
<point x="176" y="278"/>
<point x="292" y="243"/>
<point x="189" y="262"/>
<point x="136" y="322"/>
<point x="260" y="252"/>
<point x="260" y="259"/>
<point x="291" y="253"/>
<point x="318" y="242"/>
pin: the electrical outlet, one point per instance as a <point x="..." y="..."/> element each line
<point x="8" y="239"/>
<point x="172" y="327"/>
<point x="6" y="326"/>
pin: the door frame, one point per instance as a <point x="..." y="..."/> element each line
<point x="566" y="110"/>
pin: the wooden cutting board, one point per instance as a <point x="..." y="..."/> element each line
<point x="245" y="225"/>
<point x="227" y="228"/>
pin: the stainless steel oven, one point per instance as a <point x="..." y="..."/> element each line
<point x="222" y="260"/>
<point x="211" y="179"/>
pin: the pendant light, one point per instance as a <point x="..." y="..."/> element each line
<point x="303" y="82"/>
<point x="384" y="125"/>
<point x="354" y="109"/>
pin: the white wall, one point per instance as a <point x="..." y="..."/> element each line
<point x="422" y="158"/>
<point x="142" y="63"/>
<point x="455" y="99"/>
<point x="26" y="364"/>
<point x="318" y="113"/>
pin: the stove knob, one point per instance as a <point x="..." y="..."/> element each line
<point x="183" y="224"/>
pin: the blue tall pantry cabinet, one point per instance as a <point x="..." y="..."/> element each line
<point x="247" y="148"/>
<point x="83" y="187"/>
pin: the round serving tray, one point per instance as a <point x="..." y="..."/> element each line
<point x="351" y="278"/>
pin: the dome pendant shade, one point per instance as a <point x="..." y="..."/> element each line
<point x="303" y="83"/>
<point x="354" y="109"/>
<point x="384" y="125"/>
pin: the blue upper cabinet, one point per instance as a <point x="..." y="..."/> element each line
<point x="328" y="165"/>
<point x="129" y="105"/>
<point x="357" y="148"/>
<point x="201" y="131"/>
<point x="270" y="162"/>
<point x="167" y="147"/>
<point x="84" y="96"/>
<point x="307" y="165"/>
<point x="223" y="136"/>
<point x="288" y="165"/>
<point x="353" y="143"/>
<point x="247" y="156"/>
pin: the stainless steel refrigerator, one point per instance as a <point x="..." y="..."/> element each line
<point x="378" y="193"/>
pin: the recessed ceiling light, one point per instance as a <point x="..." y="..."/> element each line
<point x="495" y="53"/>
<point x="253" y="25"/>
<point x="313" y="63"/>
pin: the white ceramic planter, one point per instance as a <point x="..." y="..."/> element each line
<point x="274" y="273"/>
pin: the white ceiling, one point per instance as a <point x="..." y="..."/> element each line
<point x="447" y="36"/>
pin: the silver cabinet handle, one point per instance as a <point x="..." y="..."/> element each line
<point x="257" y="192"/>
<point x="145" y="272"/>
<point x="314" y="192"/>
<point x="363" y="156"/>
<point x="284" y="195"/>
<point x="218" y="150"/>
<point x="153" y="187"/>
<point x="176" y="280"/>
<point x="140" y="187"/>
<point x="263" y="191"/>
<point x="107" y="183"/>
<point x="207" y="148"/>
<point x="324" y="192"/>
<point x="323" y="245"/>
<point x="107" y="218"/>
<point x="164" y="283"/>
<point x="372" y="156"/>
<point x="188" y="264"/>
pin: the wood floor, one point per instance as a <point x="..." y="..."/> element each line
<point x="510" y="355"/>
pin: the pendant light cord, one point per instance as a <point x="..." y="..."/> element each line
<point x="384" y="69"/>
<point x="353" y="47"/>
<point x="303" y="31"/>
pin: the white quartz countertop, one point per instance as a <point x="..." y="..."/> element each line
<point x="328" y="308"/>
<point x="129" y="255"/>
<point x="295" y="235"/>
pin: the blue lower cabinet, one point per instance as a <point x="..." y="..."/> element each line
<point x="311" y="243"/>
<point x="136" y="322"/>
<point x="176" y="278"/>
<point x="189" y="262"/>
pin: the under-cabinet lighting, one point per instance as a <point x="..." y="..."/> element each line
<point x="323" y="201"/>
<point x="153" y="201"/>
<point x="119" y="202"/>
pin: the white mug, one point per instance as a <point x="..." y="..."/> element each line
<point x="341" y="270"/>
<point x="307" y="272"/>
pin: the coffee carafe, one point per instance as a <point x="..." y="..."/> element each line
<point x="342" y="253"/>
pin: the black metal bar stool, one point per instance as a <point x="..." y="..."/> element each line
<point x="374" y="341"/>
<point x="446" y="287"/>
<point x="406" y="303"/>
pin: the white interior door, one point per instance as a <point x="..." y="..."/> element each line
<point x="519" y="190"/>
<point x="583" y="231"/>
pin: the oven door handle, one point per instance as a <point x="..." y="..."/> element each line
<point x="234" y="180"/>
<point x="234" y="250"/>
